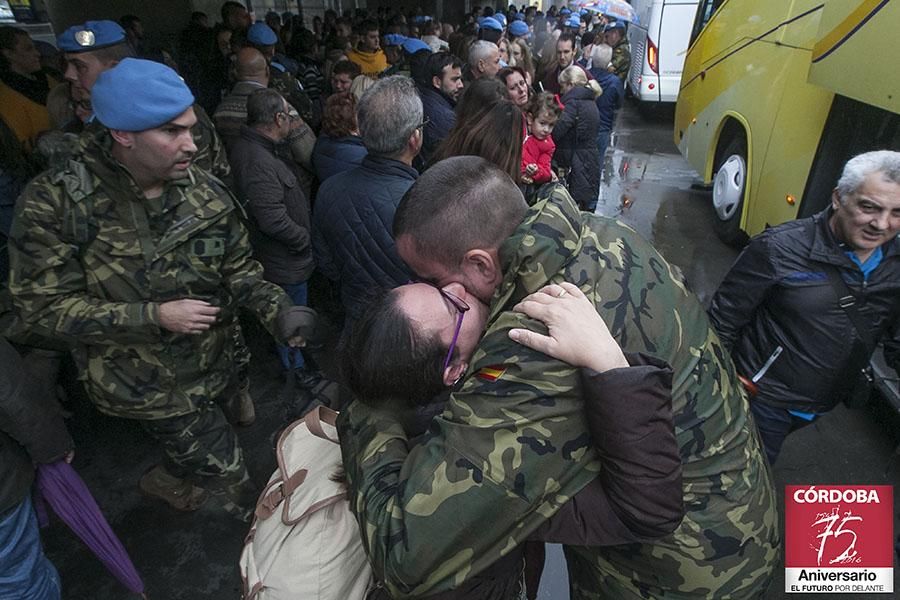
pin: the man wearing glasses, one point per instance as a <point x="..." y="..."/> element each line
<point x="352" y="239"/>
<point x="512" y="446"/>
<point x="268" y="188"/>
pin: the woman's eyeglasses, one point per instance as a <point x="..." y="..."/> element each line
<point x="461" y="307"/>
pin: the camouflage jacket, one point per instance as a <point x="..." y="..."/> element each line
<point x="92" y="259"/>
<point x="512" y="445"/>
<point x="211" y="155"/>
<point x="621" y="59"/>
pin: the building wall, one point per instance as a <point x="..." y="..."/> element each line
<point x="162" y="17"/>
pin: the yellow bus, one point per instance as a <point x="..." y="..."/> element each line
<point x="777" y="94"/>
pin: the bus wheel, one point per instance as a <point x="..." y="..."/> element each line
<point x="729" y="186"/>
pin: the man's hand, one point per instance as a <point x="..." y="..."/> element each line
<point x="296" y="325"/>
<point x="578" y="334"/>
<point x="187" y="316"/>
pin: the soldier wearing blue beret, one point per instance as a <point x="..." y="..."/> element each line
<point x="139" y="260"/>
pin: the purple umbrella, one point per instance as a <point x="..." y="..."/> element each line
<point x="70" y="499"/>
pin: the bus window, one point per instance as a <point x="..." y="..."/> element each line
<point x="705" y="11"/>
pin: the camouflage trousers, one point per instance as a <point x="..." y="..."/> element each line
<point x="725" y="548"/>
<point x="202" y="447"/>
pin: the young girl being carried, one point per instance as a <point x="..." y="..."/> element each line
<point x="541" y="115"/>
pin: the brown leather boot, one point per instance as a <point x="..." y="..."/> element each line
<point x="180" y="494"/>
<point x="239" y="409"/>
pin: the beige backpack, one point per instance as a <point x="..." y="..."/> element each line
<point x="304" y="543"/>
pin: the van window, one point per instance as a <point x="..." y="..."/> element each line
<point x="705" y="11"/>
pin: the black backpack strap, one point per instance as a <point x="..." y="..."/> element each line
<point x="847" y="300"/>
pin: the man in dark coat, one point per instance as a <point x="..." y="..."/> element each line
<point x="352" y="239"/>
<point x="32" y="432"/>
<point x="783" y="288"/>
<point x="439" y="89"/>
<point x="279" y="211"/>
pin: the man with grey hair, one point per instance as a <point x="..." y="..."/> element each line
<point x="484" y="60"/>
<point x="278" y="210"/>
<point x="806" y="302"/>
<point x="352" y="239"/>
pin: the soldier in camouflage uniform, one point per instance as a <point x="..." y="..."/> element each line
<point x="140" y="262"/>
<point x="512" y="447"/>
<point x="615" y="37"/>
<point x="91" y="49"/>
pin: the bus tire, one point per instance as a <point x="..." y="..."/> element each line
<point x="729" y="191"/>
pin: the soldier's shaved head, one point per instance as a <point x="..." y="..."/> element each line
<point x="460" y="203"/>
<point x="251" y="65"/>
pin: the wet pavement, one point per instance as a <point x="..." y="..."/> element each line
<point x="194" y="556"/>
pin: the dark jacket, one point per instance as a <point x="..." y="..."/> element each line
<point x="575" y="135"/>
<point x="637" y="497"/>
<point x="279" y="211"/>
<point x="31" y="429"/>
<point x="352" y="229"/>
<point x="610" y="100"/>
<point x="335" y="155"/>
<point x="440" y="116"/>
<point x="778" y="294"/>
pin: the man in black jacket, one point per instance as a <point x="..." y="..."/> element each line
<point x="792" y="306"/>
<point x="439" y="89"/>
<point x="31" y="431"/>
<point x="268" y="188"/>
<point x="353" y="242"/>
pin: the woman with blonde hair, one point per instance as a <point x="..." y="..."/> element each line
<point x="520" y="56"/>
<point x="576" y="133"/>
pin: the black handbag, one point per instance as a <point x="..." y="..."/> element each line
<point x="858" y="389"/>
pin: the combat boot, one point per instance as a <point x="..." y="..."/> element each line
<point x="180" y="494"/>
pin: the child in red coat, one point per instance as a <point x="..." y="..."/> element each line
<point x="541" y="115"/>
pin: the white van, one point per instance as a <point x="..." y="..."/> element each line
<point x="658" y="44"/>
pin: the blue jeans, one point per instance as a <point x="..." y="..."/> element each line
<point x="292" y="358"/>
<point x="774" y="425"/>
<point x="603" y="144"/>
<point x="25" y="573"/>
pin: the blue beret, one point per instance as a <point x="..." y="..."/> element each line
<point x="261" y="34"/>
<point x="518" y="28"/>
<point x="519" y="17"/>
<point x="421" y="19"/>
<point x="614" y="25"/>
<point x="573" y="21"/>
<point x="491" y="23"/>
<point x="394" y="39"/>
<point x="480" y="20"/>
<point x="93" y="35"/>
<point x="137" y="95"/>
<point x="565" y="11"/>
<point x="583" y="12"/>
<point x="413" y="45"/>
<point x="501" y="18"/>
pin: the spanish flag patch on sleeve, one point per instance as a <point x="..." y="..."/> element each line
<point x="492" y="373"/>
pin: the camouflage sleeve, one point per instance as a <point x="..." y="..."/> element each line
<point x="621" y="61"/>
<point x="742" y="291"/>
<point x="419" y="508"/>
<point x="49" y="285"/>
<point x="244" y="277"/>
<point x="211" y="155"/>
<point x="503" y="457"/>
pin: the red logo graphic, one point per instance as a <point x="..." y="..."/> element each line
<point x="839" y="538"/>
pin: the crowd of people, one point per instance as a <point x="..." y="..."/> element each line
<point x="439" y="179"/>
